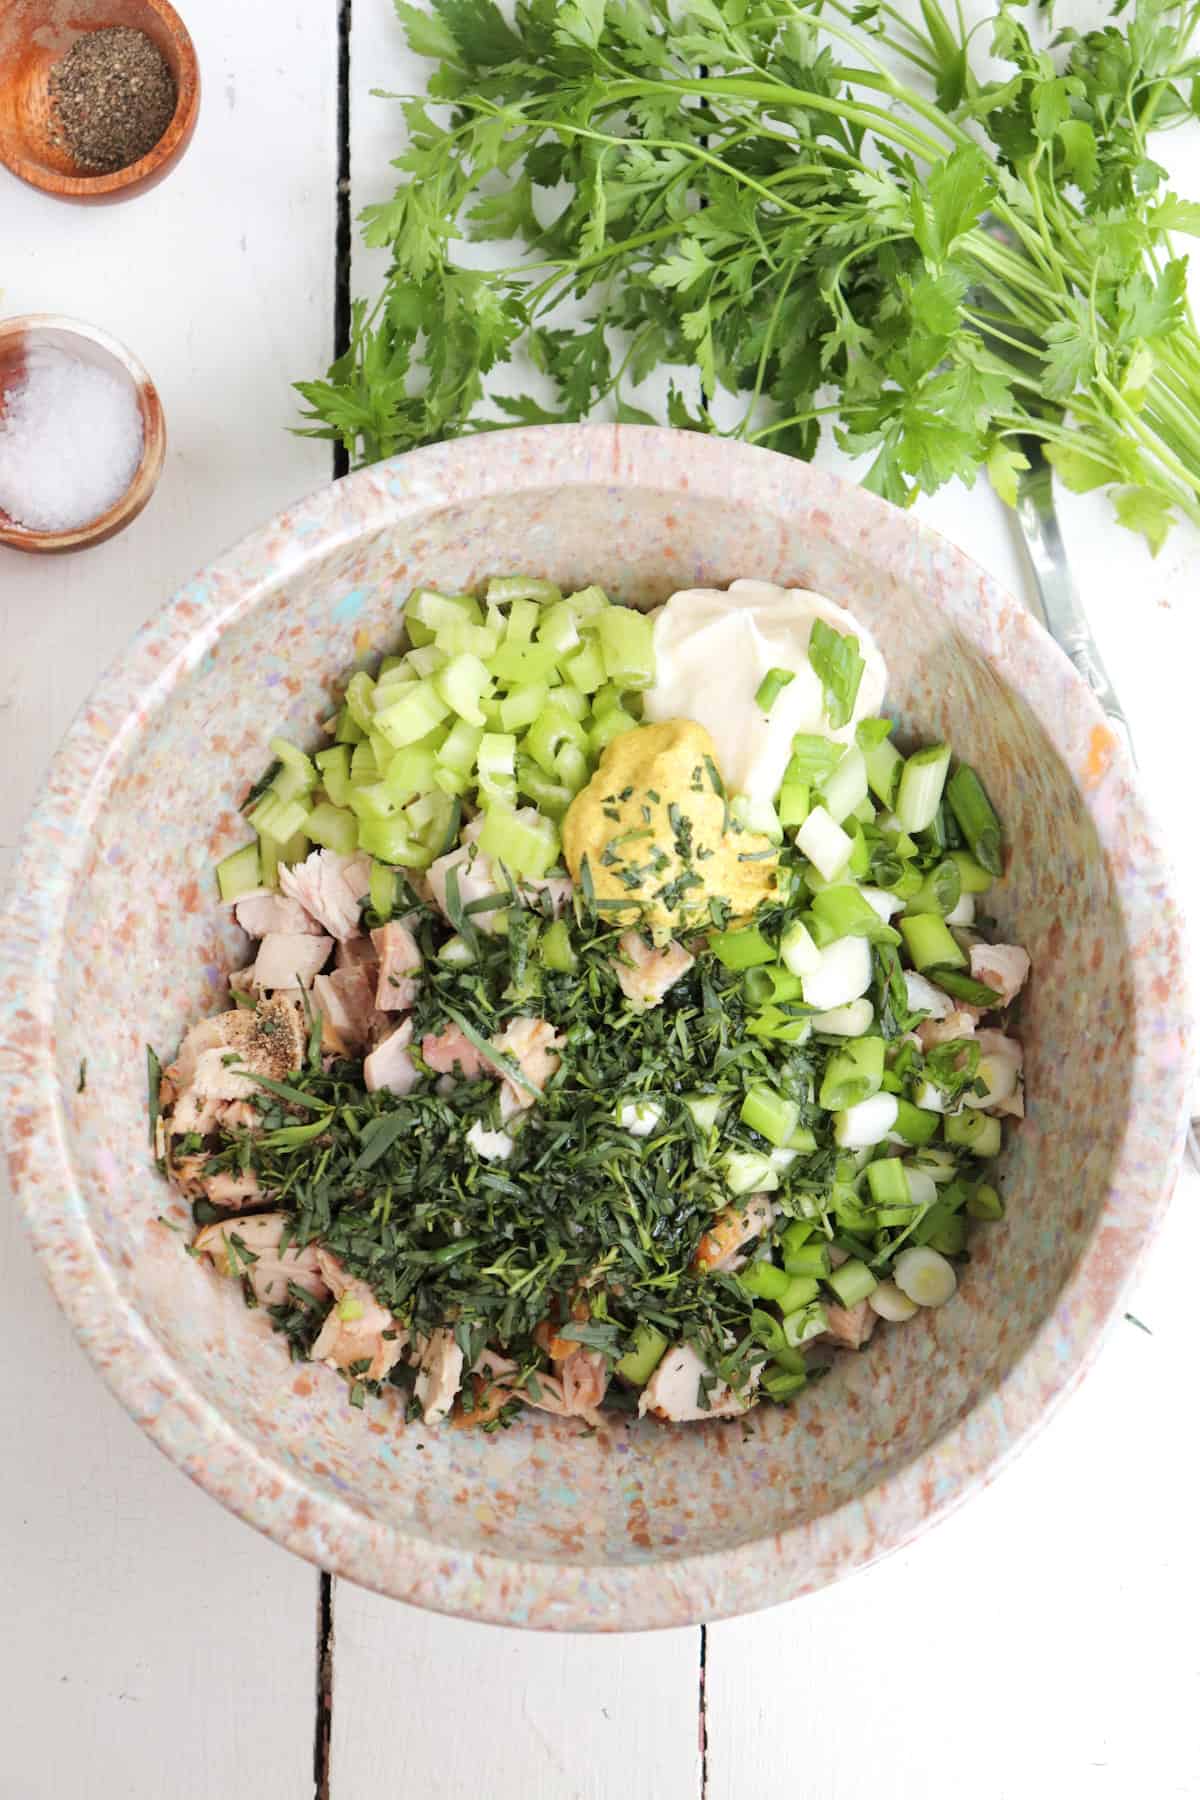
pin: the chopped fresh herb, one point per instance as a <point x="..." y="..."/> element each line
<point x="835" y="659"/>
<point x="81" y="1084"/>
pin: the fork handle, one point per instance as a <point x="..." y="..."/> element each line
<point x="1062" y="614"/>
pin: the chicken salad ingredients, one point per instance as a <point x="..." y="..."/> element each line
<point x="502" y="1143"/>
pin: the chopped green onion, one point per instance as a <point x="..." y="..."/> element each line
<point x="763" y="1280"/>
<point x="921" y="784"/>
<point x="975" y="878"/>
<point x="556" y="950"/>
<point x="810" y="1260"/>
<point x="801" y="1291"/>
<point x="807" y="1322"/>
<point x="812" y="759"/>
<point x="771" y="686"/>
<point x="888" y="1182"/>
<point x="853" y="1281"/>
<point x="797" y="951"/>
<point x="746" y="1172"/>
<point x="965" y="987"/>
<point x="825" y="844"/>
<point x="766" y="1111"/>
<point x="977" y="819"/>
<point x="741" y="949"/>
<point x="835" y="660"/>
<point x="913" y="1124"/>
<point x="931" y="944"/>
<point x="780" y="1384"/>
<point x="939" y="892"/>
<point x="646" y="1348"/>
<point x="985" y="1203"/>
<point x="843" y="909"/>
<point x="852" y="1074"/>
<point x="977" y="1132"/>
<point x="846" y="787"/>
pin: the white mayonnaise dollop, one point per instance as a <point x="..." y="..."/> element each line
<point x="712" y="648"/>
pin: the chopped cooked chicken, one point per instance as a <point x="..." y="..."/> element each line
<point x="550" y="1398"/>
<point x="450" y="1052"/>
<point x="329" y="887"/>
<point x="735" y="1226"/>
<point x="346" y="1001"/>
<point x="558" y="889"/>
<point x="202" y="1082"/>
<point x="260" y="914"/>
<point x="959" y="1024"/>
<point x="584" y="1378"/>
<point x="254" y="1253"/>
<point x="476" y="877"/>
<point x="390" y="1065"/>
<point x="439" y="1376"/>
<point x="673" y="1391"/>
<point x="924" y="997"/>
<point x="357" y="952"/>
<point x="1004" y="967"/>
<point x="644" y="973"/>
<point x="851" y="1326"/>
<point x="399" y="962"/>
<point x="357" y="1329"/>
<point x="290" y="959"/>
<point x="533" y="1045"/>
<point x="227" y="1187"/>
<point x="1000" y="1063"/>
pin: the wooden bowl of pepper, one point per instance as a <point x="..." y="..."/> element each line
<point x="98" y="98"/>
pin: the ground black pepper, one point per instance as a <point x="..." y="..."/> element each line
<point x="113" y="98"/>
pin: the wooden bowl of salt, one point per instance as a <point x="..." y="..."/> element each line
<point x="82" y="435"/>
<point x="101" y="120"/>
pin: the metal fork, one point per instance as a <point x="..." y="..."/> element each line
<point x="1064" y="617"/>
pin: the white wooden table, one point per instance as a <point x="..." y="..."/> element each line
<point x="1040" y="1643"/>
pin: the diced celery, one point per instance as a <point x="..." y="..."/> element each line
<point x="517" y="664"/>
<point x="437" y="610"/>
<point x="334" y="765"/>
<point x="550" y="797"/>
<point x="825" y="844"/>
<point x="522" y="706"/>
<point x="334" y="827"/>
<point x="549" y="732"/>
<point x="522" y="622"/>
<point x="409" y="771"/>
<point x="763" y="1280"/>
<point x="238" y="873"/>
<point x="276" y="818"/>
<point x="297" y="774"/>
<point x="413" y="715"/>
<point x="496" y="763"/>
<point x="573" y="767"/>
<point x="797" y="950"/>
<point x="588" y="601"/>
<point x="373" y="800"/>
<point x="559" y="628"/>
<point x="382" y="891"/>
<point x="272" y="854"/>
<point x="349" y="731"/>
<point x="462" y="684"/>
<point x="807" y="1322"/>
<point x="452" y="781"/>
<point x="421" y="665"/>
<point x="852" y="1074"/>
<point x="360" y="699"/>
<point x="609" y="698"/>
<point x="418" y="635"/>
<point x="852" y="1282"/>
<point x="741" y="949"/>
<point x="931" y="943"/>
<point x="364" y="764"/>
<point x="612" y="724"/>
<point x="627" y="645"/>
<point x="646" y="1348"/>
<point x="503" y="588"/>
<point x="392" y="842"/>
<point x="556" y="950"/>
<point x="571" y="701"/>
<point x="467" y="640"/>
<point x="460" y="748"/>
<point x="527" y="847"/>
<point x="584" y="668"/>
<point x="975" y="878"/>
<point x="756" y="815"/>
<point x="801" y="1290"/>
<point x="427" y="813"/>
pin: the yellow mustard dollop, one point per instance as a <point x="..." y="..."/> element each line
<point x="654" y="828"/>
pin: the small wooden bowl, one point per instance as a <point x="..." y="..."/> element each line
<point x="34" y="35"/>
<point x="87" y="345"/>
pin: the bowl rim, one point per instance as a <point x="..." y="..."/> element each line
<point x="159" y="159"/>
<point x="285" y="1505"/>
<point x="145" y="478"/>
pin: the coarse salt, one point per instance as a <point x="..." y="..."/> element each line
<point x="70" y="443"/>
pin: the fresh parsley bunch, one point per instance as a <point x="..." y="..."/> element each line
<point x="746" y="193"/>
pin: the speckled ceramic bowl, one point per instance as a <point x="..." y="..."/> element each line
<point x="115" y="940"/>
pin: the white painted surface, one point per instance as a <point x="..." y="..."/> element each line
<point x="435" y="1707"/>
<point x="155" y="1647"/>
